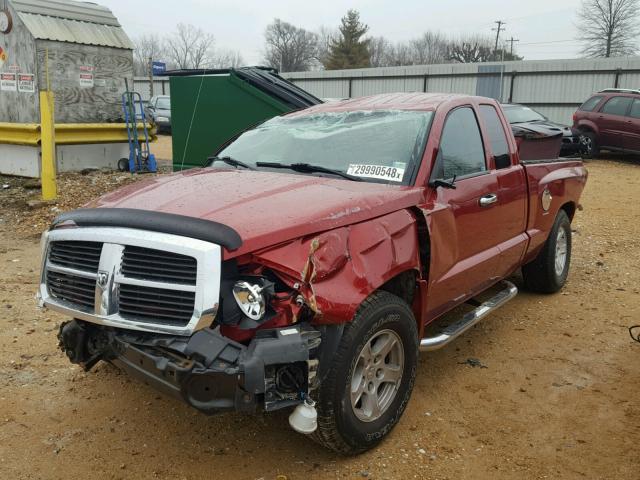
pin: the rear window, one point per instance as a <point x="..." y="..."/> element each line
<point x="617" y="106"/>
<point x="164" y="103"/>
<point x="492" y="123"/>
<point x="590" y="104"/>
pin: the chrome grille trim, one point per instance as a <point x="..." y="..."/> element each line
<point x="161" y="266"/>
<point x="204" y="291"/>
<point x="78" y="255"/>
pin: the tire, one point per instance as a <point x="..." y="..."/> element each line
<point x="123" y="164"/>
<point x="382" y="320"/>
<point x="548" y="272"/>
<point x="589" y="145"/>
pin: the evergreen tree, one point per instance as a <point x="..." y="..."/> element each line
<point x="349" y="50"/>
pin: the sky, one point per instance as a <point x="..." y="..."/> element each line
<point x="546" y="28"/>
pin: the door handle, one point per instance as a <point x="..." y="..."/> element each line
<point x="488" y="200"/>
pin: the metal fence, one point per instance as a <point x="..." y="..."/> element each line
<point x="142" y="86"/>
<point x="553" y="87"/>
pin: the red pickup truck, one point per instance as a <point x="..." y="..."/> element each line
<point x="300" y="269"/>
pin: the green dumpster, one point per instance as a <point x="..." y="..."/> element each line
<point x="208" y="107"/>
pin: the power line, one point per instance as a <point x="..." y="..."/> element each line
<point x="500" y="28"/>
<point x="551" y="41"/>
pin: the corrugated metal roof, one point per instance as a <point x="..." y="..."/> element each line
<point x="63" y="30"/>
<point x="72" y="10"/>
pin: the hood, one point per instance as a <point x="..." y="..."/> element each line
<point x="265" y="208"/>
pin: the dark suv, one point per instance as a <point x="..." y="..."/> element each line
<point x="609" y="120"/>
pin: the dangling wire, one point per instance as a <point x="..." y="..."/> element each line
<point x="637" y="335"/>
<point x="193" y="116"/>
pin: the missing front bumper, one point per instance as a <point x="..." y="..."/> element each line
<point x="207" y="370"/>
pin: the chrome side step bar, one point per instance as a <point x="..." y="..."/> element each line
<point x="469" y="319"/>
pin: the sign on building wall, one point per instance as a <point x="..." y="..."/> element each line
<point x="26" y="83"/>
<point x="86" y="76"/>
<point x="86" y="80"/>
<point x="8" y="82"/>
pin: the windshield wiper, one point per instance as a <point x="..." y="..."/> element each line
<point x="308" y="168"/>
<point x="230" y="161"/>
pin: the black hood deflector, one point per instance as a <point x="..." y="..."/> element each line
<point x="182" y="225"/>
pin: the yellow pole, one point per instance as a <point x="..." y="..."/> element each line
<point x="48" y="140"/>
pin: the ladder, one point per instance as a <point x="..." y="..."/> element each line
<point x="141" y="160"/>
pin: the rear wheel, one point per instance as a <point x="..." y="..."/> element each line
<point x="371" y="376"/>
<point x="548" y="272"/>
<point x="589" y="144"/>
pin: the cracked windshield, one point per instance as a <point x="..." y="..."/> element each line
<point x="379" y="146"/>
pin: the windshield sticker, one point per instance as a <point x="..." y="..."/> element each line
<point x="381" y="172"/>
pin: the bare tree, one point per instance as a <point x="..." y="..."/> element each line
<point x="381" y="52"/>
<point x="326" y="36"/>
<point x="289" y="48"/>
<point x="226" y="59"/>
<point x="145" y="47"/>
<point x="472" y="49"/>
<point x="610" y="28"/>
<point x="190" y="47"/>
<point x="430" y="48"/>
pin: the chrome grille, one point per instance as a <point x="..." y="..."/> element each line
<point x="83" y="256"/>
<point x="158" y="265"/>
<point x="131" y="278"/>
<point x="73" y="289"/>
<point x="155" y="304"/>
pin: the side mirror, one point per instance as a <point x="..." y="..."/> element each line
<point x="502" y="161"/>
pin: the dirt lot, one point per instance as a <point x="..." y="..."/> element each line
<point x="558" y="398"/>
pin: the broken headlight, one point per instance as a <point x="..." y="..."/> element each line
<point x="250" y="299"/>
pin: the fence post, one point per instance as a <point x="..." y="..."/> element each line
<point x="48" y="146"/>
<point x="511" y="86"/>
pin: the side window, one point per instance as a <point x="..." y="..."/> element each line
<point x="617" y="106"/>
<point x="635" y="109"/>
<point x="590" y="104"/>
<point x="461" y="150"/>
<point x="497" y="137"/>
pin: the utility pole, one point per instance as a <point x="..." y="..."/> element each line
<point x="499" y="29"/>
<point x="150" y="77"/>
<point x="511" y="41"/>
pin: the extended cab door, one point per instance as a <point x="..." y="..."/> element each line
<point x="612" y="121"/>
<point x="463" y="223"/>
<point x="511" y="207"/>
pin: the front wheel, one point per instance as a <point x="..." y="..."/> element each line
<point x="548" y="272"/>
<point x="370" y="380"/>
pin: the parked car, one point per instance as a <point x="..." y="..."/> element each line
<point x="159" y="111"/>
<point x="522" y="118"/>
<point x="609" y="120"/>
<point x="300" y="269"/>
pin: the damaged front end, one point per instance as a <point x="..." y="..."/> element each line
<point x="209" y="371"/>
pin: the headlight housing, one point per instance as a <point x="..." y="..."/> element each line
<point x="250" y="299"/>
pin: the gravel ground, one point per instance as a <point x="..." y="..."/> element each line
<point x="558" y="399"/>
